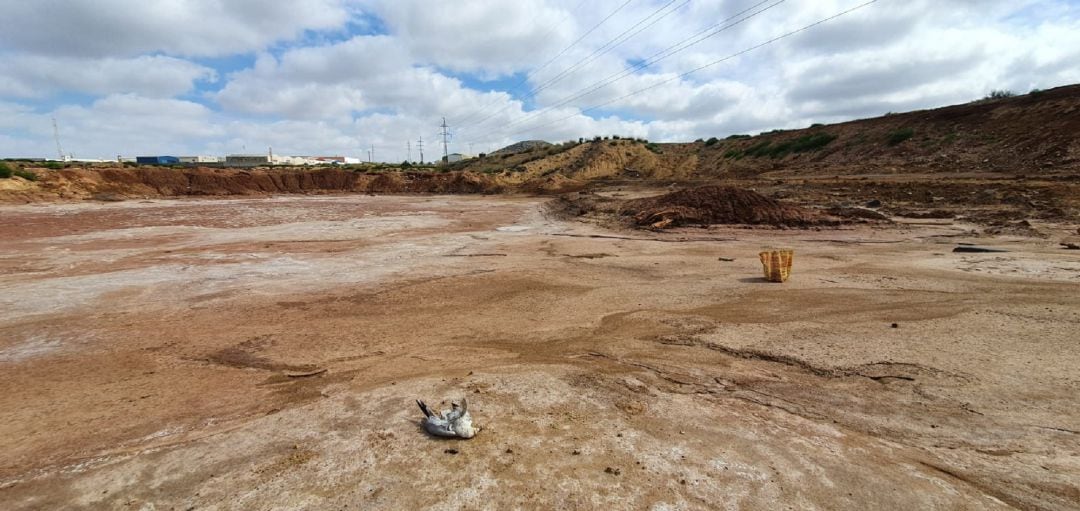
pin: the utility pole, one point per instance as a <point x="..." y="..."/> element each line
<point x="445" y="141"/>
<point x="56" y="135"/>
<point x="408" y="147"/>
<point x="420" y="146"/>
<point x="371" y="155"/>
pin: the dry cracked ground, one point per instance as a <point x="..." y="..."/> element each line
<point x="265" y="354"/>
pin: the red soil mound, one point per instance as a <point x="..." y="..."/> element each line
<point x="716" y="205"/>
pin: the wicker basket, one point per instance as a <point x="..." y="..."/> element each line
<point x="777" y="264"/>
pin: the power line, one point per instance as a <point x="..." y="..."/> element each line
<point x="529" y="74"/>
<point x="698" y="37"/>
<point x="611" y="45"/>
<point x="597" y="53"/>
<point x="699" y="68"/>
<point x="532" y="72"/>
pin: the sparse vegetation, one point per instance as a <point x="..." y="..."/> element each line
<point x="53" y="165"/>
<point x="739" y="136"/>
<point x="803" y="144"/>
<point x="1000" y="94"/>
<point x="654" y="148"/>
<point x="899" y="135"/>
<point x="5" y="170"/>
<point x="816" y="125"/>
<point x="1036" y="92"/>
<point x="28" y="175"/>
<point x="711" y="141"/>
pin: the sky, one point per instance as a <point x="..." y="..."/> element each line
<point x="345" y="77"/>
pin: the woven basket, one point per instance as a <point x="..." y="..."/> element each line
<point x="777" y="264"/>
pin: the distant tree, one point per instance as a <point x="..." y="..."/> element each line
<point x="405" y="164"/>
<point x="1000" y="94"/>
<point x="711" y="141"/>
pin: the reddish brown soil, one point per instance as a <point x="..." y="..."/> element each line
<point x="147" y="348"/>
<point x="709" y="205"/>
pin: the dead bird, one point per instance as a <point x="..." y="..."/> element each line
<point x="455" y="422"/>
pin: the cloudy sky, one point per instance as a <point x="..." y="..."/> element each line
<point x="311" y="77"/>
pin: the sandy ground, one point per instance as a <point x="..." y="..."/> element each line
<point x="149" y="353"/>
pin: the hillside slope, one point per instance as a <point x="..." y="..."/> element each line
<point x="1037" y="132"/>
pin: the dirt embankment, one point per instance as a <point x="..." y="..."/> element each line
<point x="717" y="205"/>
<point x="117" y="183"/>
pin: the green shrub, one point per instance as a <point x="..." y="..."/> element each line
<point x="28" y="175"/>
<point x="803" y="144"/>
<point x="5" y="170"/>
<point x="654" y="148"/>
<point x="812" y="142"/>
<point x="899" y="135"/>
<point x="53" y="165"/>
<point x="816" y="125"/>
<point x="738" y="136"/>
<point x="711" y="141"/>
<point x="1000" y="94"/>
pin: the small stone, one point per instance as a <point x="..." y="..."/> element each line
<point x="613" y="471"/>
<point x="683" y="481"/>
<point x="451" y="451"/>
<point x="896" y="325"/>
<point x="509" y="451"/>
<point x="576" y="452"/>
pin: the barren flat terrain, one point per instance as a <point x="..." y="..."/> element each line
<point x="266" y="353"/>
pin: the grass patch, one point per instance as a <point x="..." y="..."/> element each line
<point x="654" y="148"/>
<point x="898" y="136"/>
<point x="5" y="170"/>
<point x="53" y="165"/>
<point x="28" y="175"/>
<point x="803" y="144"/>
<point x="738" y="136"/>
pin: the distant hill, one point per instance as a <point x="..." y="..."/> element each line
<point x="524" y="145"/>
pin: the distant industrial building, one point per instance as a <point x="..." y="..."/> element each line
<point x="335" y="160"/>
<point x="455" y="157"/>
<point x="200" y="159"/>
<point x="246" y="160"/>
<point x="157" y="160"/>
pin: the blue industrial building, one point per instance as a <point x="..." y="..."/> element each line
<point x="157" y="160"/>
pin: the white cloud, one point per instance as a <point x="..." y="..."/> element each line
<point x="157" y="76"/>
<point x="488" y="37"/>
<point x="340" y="91"/>
<point x="103" y="28"/>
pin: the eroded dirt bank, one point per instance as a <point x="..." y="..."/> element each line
<point x="146" y="349"/>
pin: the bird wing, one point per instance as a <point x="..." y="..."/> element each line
<point x="438" y="427"/>
<point x="424" y="408"/>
